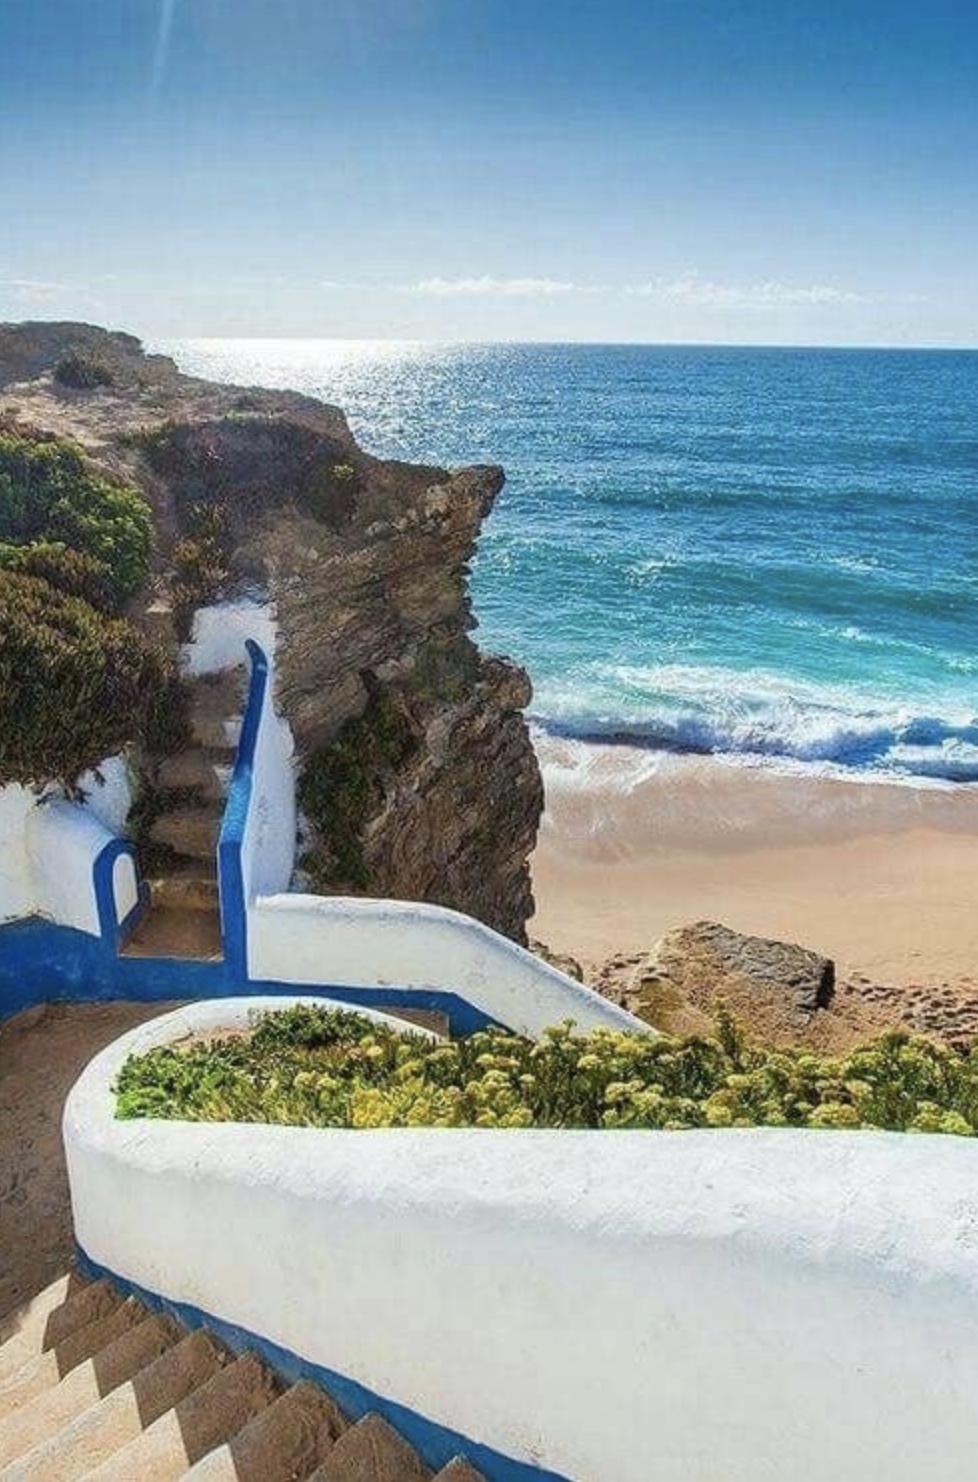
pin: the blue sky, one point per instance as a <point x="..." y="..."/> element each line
<point x="757" y="171"/>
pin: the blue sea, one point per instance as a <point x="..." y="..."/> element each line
<point x="768" y="554"/>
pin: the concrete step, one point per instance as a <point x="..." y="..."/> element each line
<point x="84" y="1303"/>
<point x="205" y="772"/>
<point x="286" y="1441"/>
<point x="209" y="1416"/>
<point x="191" y="886"/>
<point x="85" y="1385"/>
<point x="29" y="1322"/>
<point x="108" y="1427"/>
<point x="188" y="830"/>
<point x="372" y="1451"/>
<point x="47" y="1369"/>
<point x="215" y="707"/>
<point x="192" y="935"/>
<point x="459" y="1470"/>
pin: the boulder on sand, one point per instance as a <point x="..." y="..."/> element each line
<point x="757" y="978"/>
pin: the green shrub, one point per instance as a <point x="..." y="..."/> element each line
<point x="50" y="495"/>
<point x="320" y="1067"/>
<point x="200" y="562"/>
<point x="329" y="491"/>
<point x="83" y="371"/>
<point x="74" y="572"/>
<point x="343" y="785"/>
<point x="75" y="685"/>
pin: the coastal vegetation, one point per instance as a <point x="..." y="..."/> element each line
<point x="77" y="678"/>
<point x="78" y="684"/>
<point x="51" y="496"/>
<point x="343" y="785"/>
<point x="314" y="1066"/>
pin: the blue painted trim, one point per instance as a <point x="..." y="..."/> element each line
<point x="42" y="962"/>
<point x="230" y="872"/>
<point x="111" y="929"/>
<point x="435" y="1443"/>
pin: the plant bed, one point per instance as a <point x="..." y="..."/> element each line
<point x="316" y="1066"/>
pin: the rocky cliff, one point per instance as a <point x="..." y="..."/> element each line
<point x="417" y="774"/>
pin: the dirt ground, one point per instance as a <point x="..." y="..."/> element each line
<point x="42" y="1053"/>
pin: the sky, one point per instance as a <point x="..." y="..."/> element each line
<point x="745" y="171"/>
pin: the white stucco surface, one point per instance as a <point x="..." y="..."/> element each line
<point x="219" y="633"/>
<point x="349" y="942"/>
<point x="48" y="849"/>
<point x="63" y="842"/>
<point x="717" y="1306"/>
<point x="268" y="846"/>
<point x="109" y="795"/>
<point x="18" y="896"/>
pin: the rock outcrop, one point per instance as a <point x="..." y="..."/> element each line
<point x="756" y="978"/>
<point x="364" y="562"/>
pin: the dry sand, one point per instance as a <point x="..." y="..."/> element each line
<point x="881" y="876"/>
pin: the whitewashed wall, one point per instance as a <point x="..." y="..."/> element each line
<point x="48" y="851"/>
<point x="717" y="1306"/>
<point x="268" y="847"/>
<point x="354" y="943"/>
<point x="218" y="635"/>
<point x="18" y="896"/>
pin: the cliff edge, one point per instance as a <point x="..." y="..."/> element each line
<point x="417" y="778"/>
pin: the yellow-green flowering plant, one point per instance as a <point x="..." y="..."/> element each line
<point x="322" y="1067"/>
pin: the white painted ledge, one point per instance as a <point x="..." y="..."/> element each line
<point x="356" y="943"/>
<point x="716" y="1306"/>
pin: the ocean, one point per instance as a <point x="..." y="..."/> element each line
<point x="765" y="554"/>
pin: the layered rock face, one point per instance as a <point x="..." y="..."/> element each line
<point x="365" y="563"/>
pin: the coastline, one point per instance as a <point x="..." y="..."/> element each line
<point x="878" y="875"/>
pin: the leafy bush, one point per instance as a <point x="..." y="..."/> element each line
<point x="75" y="685"/>
<point x="318" y="1067"/>
<point x="50" y="495"/>
<point x="83" y="371"/>
<point x="74" y="572"/>
<point x="343" y="784"/>
<point x="200" y="562"/>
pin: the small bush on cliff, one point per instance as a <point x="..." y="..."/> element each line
<point x="82" y="370"/>
<point x="319" y="1067"/>
<point x="73" y="572"/>
<point x="75" y="685"/>
<point x="329" y="492"/>
<point x="343" y="784"/>
<point x="49" y="495"/>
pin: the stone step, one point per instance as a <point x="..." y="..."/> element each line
<point x="108" y="1427"/>
<point x="194" y="935"/>
<point x="372" y="1451"/>
<point x="84" y="1303"/>
<point x="288" y="1440"/>
<point x="85" y="1385"/>
<point x="27" y="1326"/>
<point x="459" y="1470"/>
<point x="47" y="1369"/>
<point x="204" y="771"/>
<point x="190" y="831"/>
<point x="191" y="886"/>
<point x="209" y="1416"/>
<point x="215" y="704"/>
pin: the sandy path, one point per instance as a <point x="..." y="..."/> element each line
<point x="42" y="1053"/>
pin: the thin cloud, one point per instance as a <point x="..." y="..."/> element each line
<point x="161" y="53"/>
<point x="691" y="289"/>
<point x="486" y="286"/>
<point x="36" y="290"/>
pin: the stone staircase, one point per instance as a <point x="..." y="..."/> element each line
<point x="191" y="787"/>
<point x="94" y="1385"/>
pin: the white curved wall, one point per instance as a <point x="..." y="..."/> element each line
<point x="17" y="894"/>
<point x="728" y="1306"/>
<point x="219" y="632"/>
<point x="354" y="943"/>
<point x="63" y="842"/>
<point x="268" y="846"/>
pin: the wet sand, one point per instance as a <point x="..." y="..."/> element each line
<point x="881" y="876"/>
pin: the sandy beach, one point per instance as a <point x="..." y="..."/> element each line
<point x="881" y="876"/>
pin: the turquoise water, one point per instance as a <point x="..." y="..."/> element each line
<point x="765" y="553"/>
